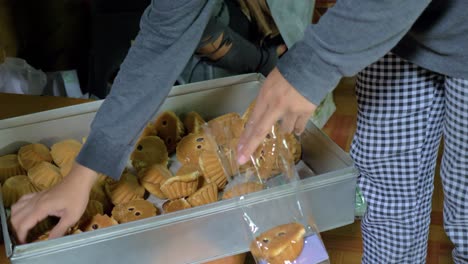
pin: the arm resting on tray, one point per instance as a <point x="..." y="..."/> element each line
<point x="170" y="32"/>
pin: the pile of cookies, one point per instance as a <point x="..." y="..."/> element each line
<point x="203" y="152"/>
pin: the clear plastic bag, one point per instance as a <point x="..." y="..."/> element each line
<point x="281" y="233"/>
<point x="17" y="76"/>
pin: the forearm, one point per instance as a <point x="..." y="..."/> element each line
<point x="350" y="36"/>
<point x="170" y="31"/>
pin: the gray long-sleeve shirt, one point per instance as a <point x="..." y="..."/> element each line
<point x="352" y="35"/>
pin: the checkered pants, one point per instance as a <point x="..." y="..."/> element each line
<point x="403" y="111"/>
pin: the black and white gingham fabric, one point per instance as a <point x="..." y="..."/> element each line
<point x="403" y="111"/>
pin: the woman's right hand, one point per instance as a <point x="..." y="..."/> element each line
<point x="66" y="200"/>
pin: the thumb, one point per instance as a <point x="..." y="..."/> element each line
<point x="61" y="228"/>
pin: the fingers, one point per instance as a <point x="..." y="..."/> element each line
<point x="21" y="203"/>
<point x="301" y="124"/>
<point x="61" y="228"/>
<point x="288" y="123"/>
<point x="26" y="219"/>
<point x="256" y="132"/>
<point x="257" y="111"/>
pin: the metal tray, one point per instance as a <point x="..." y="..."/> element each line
<point x="198" y="234"/>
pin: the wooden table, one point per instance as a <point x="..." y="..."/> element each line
<point x="12" y="105"/>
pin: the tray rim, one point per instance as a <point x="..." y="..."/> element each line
<point x="69" y="242"/>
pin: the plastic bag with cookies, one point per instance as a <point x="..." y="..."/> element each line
<point x="282" y="230"/>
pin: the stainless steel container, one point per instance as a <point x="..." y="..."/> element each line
<point x="198" y="234"/>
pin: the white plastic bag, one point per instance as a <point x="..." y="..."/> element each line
<point x="288" y="237"/>
<point x="17" y="76"/>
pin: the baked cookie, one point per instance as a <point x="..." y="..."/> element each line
<point x="99" y="221"/>
<point x="192" y="145"/>
<point x="148" y="151"/>
<point x="153" y="177"/>
<point x="170" y="129"/>
<point x="133" y="210"/>
<point x="93" y="208"/>
<point x="99" y="194"/>
<point x="175" y="205"/>
<point x="294" y="146"/>
<point x="191" y="168"/>
<point x="15" y="187"/>
<point x="126" y="189"/>
<point x="205" y="195"/>
<point x="44" y="175"/>
<point x="242" y="189"/>
<point x="32" y="154"/>
<point x="212" y="169"/>
<point x="193" y="122"/>
<point x="226" y="127"/>
<point x="279" y="245"/>
<point x="267" y="154"/>
<point x="180" y="186"/>
<point x="10" y="166"/>
<point x="64" y="152"/>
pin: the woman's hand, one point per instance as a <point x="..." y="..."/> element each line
<point x="277" y="100"/>
<point x="66" y="200"/>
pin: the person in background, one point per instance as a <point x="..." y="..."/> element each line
<point x="412" y="87"/>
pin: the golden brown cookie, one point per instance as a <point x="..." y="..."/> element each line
<point x="267" y="154"/>
<point x="126" y="189"/>
<point x="31" y="154"/>
<point x="242" y="189"/>
<point x="226" y="127"/>
<point x="180" y="186"/>
<point x="193" y="122"/>
<point x="44" y="175"/>
<point x="93" y="208"/>
<point x="191" y="168"/>
<point x="153" y="177"/>
<point x="99" y="221"/>
<point x="175" y="205"/>
<point x="294" y="146"/>
<point x="205" y="195"/>
<point x="279" y="245"/>
<point x="170" y="129"/>
<point x="212" y="169"/>
<point x="148" y="131"/>
<point x="190" y="147"/>
<point x="186" y="169"/>
<point x="66" y="168"/>
<point x="148" y="151"/>
<point x="229" y="153"/>
<point x="133" y="210"/>
<point x="65" y="151"/>
<point x="15" y="187"/>
<point x="9" y="166"/>
<point x="99" y="194"/>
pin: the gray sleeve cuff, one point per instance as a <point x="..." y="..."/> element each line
<point x="103" y="155"/>
<point x="308" y="73"/>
